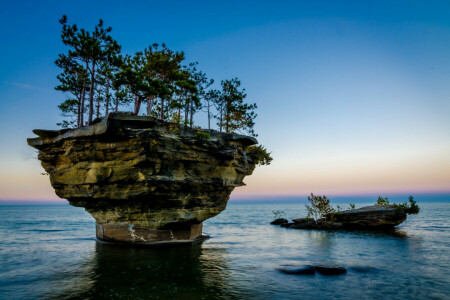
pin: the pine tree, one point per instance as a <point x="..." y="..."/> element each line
<point x="90" y="49"/>
<point x="202" y="84"/>
<point x="73" y="79"/>
<point x="233" y="113"/>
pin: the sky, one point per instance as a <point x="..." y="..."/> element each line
<point x="353" y="96"/>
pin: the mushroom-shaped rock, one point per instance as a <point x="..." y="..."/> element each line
<point x="144" y="180"/>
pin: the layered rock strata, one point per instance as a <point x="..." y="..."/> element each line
<point x="144" y="180"/>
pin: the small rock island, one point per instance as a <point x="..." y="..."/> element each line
<point x="145" y="181"/>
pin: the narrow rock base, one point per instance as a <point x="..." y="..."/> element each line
<point x="131" y="234"/>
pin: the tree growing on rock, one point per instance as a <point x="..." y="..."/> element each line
<point x="73" y="79"/>
<point x="234" y="114"/>
<point x="319" y="207"/>
<point x="89" y="49"/>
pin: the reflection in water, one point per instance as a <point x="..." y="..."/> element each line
<point x="50" y="253"/>
<point x="153" y="273"/>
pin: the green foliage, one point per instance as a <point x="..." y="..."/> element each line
<point x="233" y="114"/>
<point x="202" y="135"/>
<point x="382" y="201"/>
<point x="351" y="206"/>
<point x="278" y="214"/>
<point x="410" y="208"/>
<point x="319" y="207"/>
<point x="99" y="77"/>
<point x="259" y="155"/>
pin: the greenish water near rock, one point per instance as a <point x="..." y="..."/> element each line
<point x="49" y="252"/>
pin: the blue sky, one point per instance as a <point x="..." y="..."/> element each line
<point x="353" y="97"/>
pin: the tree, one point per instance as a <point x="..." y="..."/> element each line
<point x="319" y="207"/>
<point x="73" y="79"/>
<point x="130" y="77"/>
<point x="90" y="49"/>
<point x="166" y="65"/>
<point x="259" y="155"/>
<point x="202" y="84"/>
<point x="213" y="97"/>
<point x="233" y="113"/>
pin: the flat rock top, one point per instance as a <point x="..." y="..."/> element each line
<point x="125" y="120"/>
<point x="369" y="209"/>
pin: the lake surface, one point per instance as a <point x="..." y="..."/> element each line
<point x="50" y="252"/>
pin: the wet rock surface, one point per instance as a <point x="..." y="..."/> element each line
<point x="144" y="180"/>
<point x="374" y="217"/>
<point x="279" y="221"/>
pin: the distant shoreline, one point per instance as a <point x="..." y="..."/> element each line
<point x="424" y="198"/>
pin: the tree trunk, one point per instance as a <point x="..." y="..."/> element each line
<point x="227" y="118"/>
<point x="117" y="104"/>
<point x="91" y="94"/>
<point x="209" y="118"/>
<point x="161" y="116"/>
<point x="149" y="105"/>
<point x="137" y="105"/>
<point x="83" y="96"/>
<point x="221" y="118"/>
<point x="97" y="114"/>
<point x="107" y="97"/>
<point x="191" y="122"/>
<point x="186" y="113"/>
<point x="79" y="110"/>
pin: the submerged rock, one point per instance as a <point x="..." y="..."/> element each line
<point x="144" y="180"/>
<point x="311" y="270"/>
<point x="307" y="270"/>
<point x="330" y="270"/>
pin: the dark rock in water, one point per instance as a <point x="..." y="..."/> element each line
<point x="370" y="217"/>
<point x="303" y="223"/>
<point x="311" y="270"/>
<point x="374" y="217"/>
<point x="330" y="270"/>
<point x="307" y="270"/>
<point x="144" y="181"/>
<point x="279" y="221"/>
<point x="303" y="220"/>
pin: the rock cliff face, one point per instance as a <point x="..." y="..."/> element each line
<point x="143" y="180"/>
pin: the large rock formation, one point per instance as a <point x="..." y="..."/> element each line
<point x="144" y="180"/>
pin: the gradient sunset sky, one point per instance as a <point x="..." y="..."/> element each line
<point x="353" y="96"/>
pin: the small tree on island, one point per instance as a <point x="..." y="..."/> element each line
<point x="319" y="207"/>
<point x="410" y="208"/>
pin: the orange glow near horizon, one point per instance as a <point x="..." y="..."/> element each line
<point x="336" y="175"/>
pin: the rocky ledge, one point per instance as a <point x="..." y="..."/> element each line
<point x="374" y="217"/>
<point x="144" y="180"/>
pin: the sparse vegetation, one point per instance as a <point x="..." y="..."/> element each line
<point x="410" y="208"/>
<point x="278" y="214"/>
<point x="319" y="207"/>
<point x="259" y="155"/>
<point x="382" y="201"/>
<point x="202" y="135"/>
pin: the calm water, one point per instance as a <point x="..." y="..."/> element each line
<point x="50" y="252"/>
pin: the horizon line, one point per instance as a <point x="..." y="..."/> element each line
<point x="252" y="198"/>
